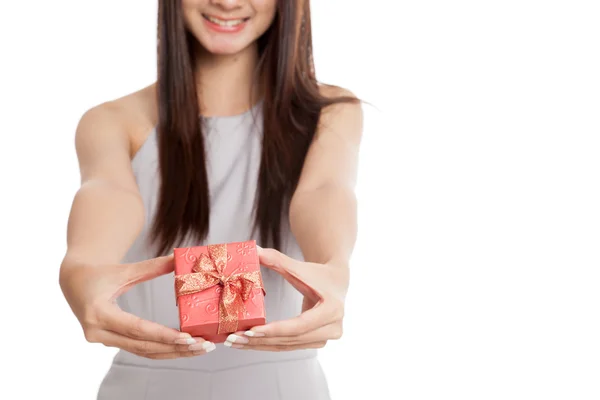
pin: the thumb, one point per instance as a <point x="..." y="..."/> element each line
<point x="297" y="273"/>
<point x="276" y="260"/>
<point x="148" y="269"/>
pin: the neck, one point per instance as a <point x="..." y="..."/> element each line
<point x="225" y="82"/>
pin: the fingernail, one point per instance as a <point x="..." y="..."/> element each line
<point x="237" y="339"/>
<point x="254" y="334"/>
<point x="185" y="341"/>
<point x="233" y="345"/>
<point x="201" y="346"/>
<point x="210" y="347"/>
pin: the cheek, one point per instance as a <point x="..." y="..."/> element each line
<point x="190" y="10"/>
<point x="265" y="11"/>
<point x="193" y="3"/>
<point x="264" y="4"/>
<point x="265" y="8"/>
<point x="188" y="6"/>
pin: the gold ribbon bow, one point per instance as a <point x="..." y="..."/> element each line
<point x="207" y="272"/>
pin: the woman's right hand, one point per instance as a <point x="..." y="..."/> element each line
<point x="91" y="291"/>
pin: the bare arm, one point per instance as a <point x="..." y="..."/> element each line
<point x="323" y="220"/>
<point x="323" y="208"/>
<point x="107" y="212"/>
<point x="106" y="216"/>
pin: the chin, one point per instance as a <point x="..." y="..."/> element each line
<point x="223" y="47"/>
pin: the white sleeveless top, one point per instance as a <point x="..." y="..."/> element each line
<point x="233" y="153"/>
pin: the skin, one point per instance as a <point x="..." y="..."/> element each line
<point x="107" y="212"/>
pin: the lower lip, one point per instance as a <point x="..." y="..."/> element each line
<point x="225" y="29"/>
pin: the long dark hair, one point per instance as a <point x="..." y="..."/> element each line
<point x="292" y="105"/>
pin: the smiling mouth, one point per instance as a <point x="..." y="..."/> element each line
<point x="225" y="22"/>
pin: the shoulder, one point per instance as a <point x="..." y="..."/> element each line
<point x="332" y="91"/>
<point x="126" y="120"/>
<point x="344" y="116"/>
<point x="344" y="103"/>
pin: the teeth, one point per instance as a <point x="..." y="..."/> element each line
<point x="232" y="22"/>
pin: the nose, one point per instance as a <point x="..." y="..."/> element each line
<point x="227" y="4"/>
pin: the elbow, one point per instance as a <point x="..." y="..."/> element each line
<point x="324" y="192"/>
<point x="325" y="195"/>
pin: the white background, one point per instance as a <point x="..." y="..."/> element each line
<point x="476" y="275"/>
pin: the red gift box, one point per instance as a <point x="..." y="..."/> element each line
<point x="219" y="289"/>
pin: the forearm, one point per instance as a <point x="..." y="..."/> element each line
<point x="324" y="223"/>
<point x="104" y="222"/>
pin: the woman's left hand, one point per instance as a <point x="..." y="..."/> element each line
<point x="324" y="287"/>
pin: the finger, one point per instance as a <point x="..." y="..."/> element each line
<point x="112" y="339"/>
<point x="169" y="356"/>
<point x="315" y="345"/>
<point x="308" y="321"/>
<point x="192" y="351"/>
<point x="117" y="320"/>
<point x="136" y="346"/>
<point x="328" y="332"/>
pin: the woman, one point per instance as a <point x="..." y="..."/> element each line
<point x="235" y="141"/>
